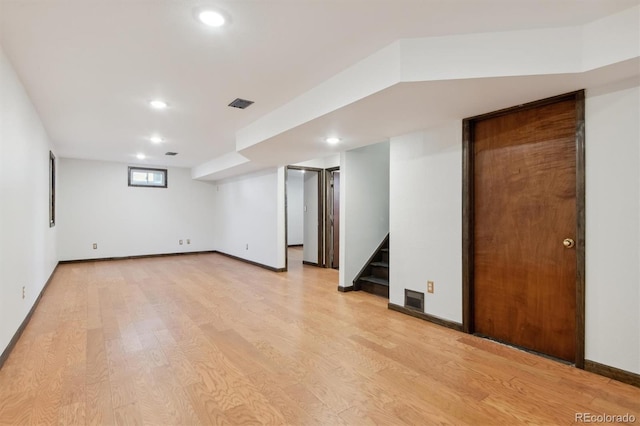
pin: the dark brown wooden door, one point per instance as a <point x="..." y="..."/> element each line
<point x="524" y="278"/>
<point x="335" y="233"/>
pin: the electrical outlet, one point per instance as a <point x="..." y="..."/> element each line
<point x="247" y="247"/>
<point x="95" y="246"/>
<point x="180" y="242"/>
<point x="24" y="293"/>
<point x="429" y="286"/>
<point x="188" y="241"/>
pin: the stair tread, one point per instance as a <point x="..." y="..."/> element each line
<point x="382" y="264"/>
<point x="376" y="280"/>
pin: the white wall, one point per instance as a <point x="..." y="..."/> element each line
<point x="310" y="249"/>
<point x="295" y="207"/>
<point x="27" y="244"/>
<point x="248" y="215"/>
<point x="426" y="217"/>
<point x="364" y="207"/>
<point x="97" y="206"/>
<point x="613" y="226"/>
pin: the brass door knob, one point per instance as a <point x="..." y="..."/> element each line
<point x="568" y="243"/>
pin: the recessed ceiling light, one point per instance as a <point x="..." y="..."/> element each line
<point x="332" y="140"/>
<point x="158" y="104"/>
<point x="141" y="156"/>
<point x="156" y="139"/>
<point x="211" y="18"/>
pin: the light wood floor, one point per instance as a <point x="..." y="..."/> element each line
<point x="203" y="339"/>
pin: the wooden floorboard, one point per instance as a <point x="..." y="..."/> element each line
<point x="205" y="339"/>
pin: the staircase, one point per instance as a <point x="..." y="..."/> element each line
<point x="374" y="276"/>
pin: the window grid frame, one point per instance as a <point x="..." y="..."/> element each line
<point x="131" y="169"/>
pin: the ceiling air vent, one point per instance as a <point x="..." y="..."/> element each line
<point x="171" y="153"/>
<point x="240" y="103"/>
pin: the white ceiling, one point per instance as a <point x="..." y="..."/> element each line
<point x="91" y="66"/>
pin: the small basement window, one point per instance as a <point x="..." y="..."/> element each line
<point x="140" y="176"/>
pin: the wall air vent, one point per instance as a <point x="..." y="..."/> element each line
<point x="240" y="103"/>
<point x="414" y="300"/>
<point x="170" y="153"/>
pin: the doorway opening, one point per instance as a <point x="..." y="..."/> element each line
<point x="333" y="218"/>
<point x="304" y="210"/>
